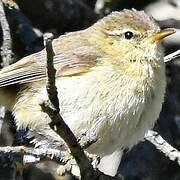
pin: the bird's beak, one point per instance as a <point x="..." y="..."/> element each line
<point x="162" y="34"/>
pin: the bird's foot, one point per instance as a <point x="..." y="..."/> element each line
<point x="94" y="159"/>
<point x="86" y="139"/>
<point x="71" y="166"/>
<point x="68" y="167"/>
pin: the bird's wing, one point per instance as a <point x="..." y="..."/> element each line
<point x="33" y="67"/>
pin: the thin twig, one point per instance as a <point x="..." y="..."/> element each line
<point x="163" y="146"/>
<point x="38" y="153"/>
<point x="172" y="56"/>
<point x="62" y="129"/>
<point x="6" y="49"/>
<point x="51" y="72"/>
<point x="86" y="169"/>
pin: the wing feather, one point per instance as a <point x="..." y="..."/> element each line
<point x="68" y="62"/>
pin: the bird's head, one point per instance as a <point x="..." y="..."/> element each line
<point x="129" y="36"/>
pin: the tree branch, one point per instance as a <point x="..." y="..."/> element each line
<point x="62" y="129"/>
<point x="162" y="145"/>
<point x="38" y="153"/>
<point x="172" y="56"/>
<point x="6" y="49"/>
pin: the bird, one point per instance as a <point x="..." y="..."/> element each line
<point x="110" y="79"/>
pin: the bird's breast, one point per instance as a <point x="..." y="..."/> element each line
<point x="115" y="106"/>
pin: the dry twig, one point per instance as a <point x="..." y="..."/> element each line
<point x="162" y="145"/>
<point x="36" y="154"/>
<point x="172" y="56"/>
<point x="62" y="129"/>
<point x="52" y="109"/>
<point x="7" y="44"/>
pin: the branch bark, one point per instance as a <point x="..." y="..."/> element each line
<point x="6" y="49"/>
<point x="162" y="145"/>
<point x="38" y="153"/>
<point x="172" y="56"/>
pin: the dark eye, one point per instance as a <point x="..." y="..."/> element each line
<point x="128" y="35"/>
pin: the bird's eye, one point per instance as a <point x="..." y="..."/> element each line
<point x="128" y="35"/>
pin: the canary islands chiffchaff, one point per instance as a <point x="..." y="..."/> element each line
<point x="110" y="80"/>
